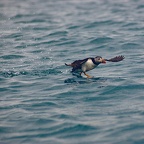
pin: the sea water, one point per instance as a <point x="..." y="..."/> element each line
<point x="41" y="102"/>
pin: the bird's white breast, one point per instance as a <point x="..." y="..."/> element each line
<point x="88" y="65"/>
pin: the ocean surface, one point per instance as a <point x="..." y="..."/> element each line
<point x="41" y="101"/>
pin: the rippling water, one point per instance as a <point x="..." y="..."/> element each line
<point x="41" y="101"/>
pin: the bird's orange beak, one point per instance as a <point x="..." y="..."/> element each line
<point x="103" y="61"/>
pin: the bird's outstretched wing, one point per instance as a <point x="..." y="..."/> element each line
<point x="77" y="64"/>
<point x="116" y="59"/>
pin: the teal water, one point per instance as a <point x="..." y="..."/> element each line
<point x="41" y="101"/>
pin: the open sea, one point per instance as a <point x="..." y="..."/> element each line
<point x="41" y="102"/>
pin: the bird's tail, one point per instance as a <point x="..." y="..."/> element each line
<point x="68" y="64"/>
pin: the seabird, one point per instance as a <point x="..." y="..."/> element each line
<point x="87" y="64"/>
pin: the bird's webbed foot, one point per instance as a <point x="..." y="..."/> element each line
<point x="88" y="76"/>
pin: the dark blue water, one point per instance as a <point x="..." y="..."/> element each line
<point x="41" y="101"/>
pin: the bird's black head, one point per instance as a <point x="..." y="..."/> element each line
<point x="99" y="59"/>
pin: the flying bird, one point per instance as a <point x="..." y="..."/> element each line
<point x="87" y="64"/>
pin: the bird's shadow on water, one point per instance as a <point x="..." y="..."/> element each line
<point x="77" y="79"/>
<point x="83" y="80"/>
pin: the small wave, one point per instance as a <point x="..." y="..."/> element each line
<point x="73" y="27"/>
<point x="80" y="127"/>
<point x="14" y="35"/>
<point x="101" y="40"/>
<point x="140" y="6"/>
<point x="101" y="23"/>
<point x="129" y="24"/>
<point x="44" y="121"/>
<point x="7" y="74"/>
<point x="43" y="104"/>
<point x="58" y="33"/>
<point x="11" y="56"/>
<point x="71" y="42"/>
<point x="37" y="20"/>
<point x="45" y="43"/>
<point x="130" y="45"/>
<point x="72" y="130"/>
<point x="39" y="73"/>
<point x="2" y="16"/>
<point x="17" y="16"/>
<point x="136" y="29"/>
